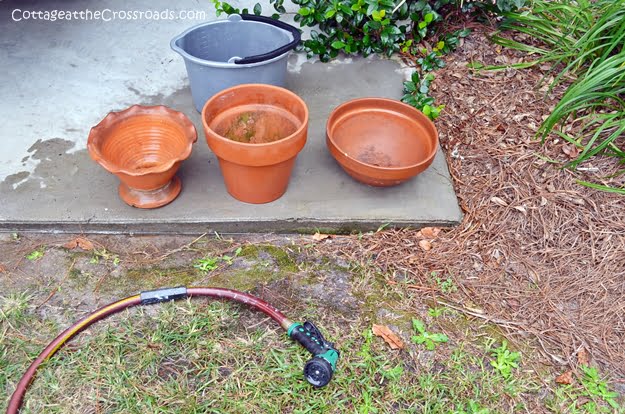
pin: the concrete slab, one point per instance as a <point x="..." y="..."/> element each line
<point x="62" y="79"/>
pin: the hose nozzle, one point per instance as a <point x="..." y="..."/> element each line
<point x="319" y="369"/>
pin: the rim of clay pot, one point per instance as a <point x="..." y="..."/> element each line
<point x="373" y="101"/>
<point x="237" y="88"/>
<point x="99" y="131"/>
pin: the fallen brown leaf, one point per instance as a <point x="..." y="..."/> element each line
<point x="389" y="337"/>
<point x="583" y="357"/>
<point x="571" y="150"/>
<point x="565" y="378"/>
<point x="2" y="269"/>
<point x="319" y="236"/>
<point x="80" y="242"/>
<point x="425" y="245"/>
<point x="430" y="232"/>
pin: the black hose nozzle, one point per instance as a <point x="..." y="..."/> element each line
<point x="319" y="369"/>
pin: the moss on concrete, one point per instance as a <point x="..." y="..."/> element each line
<point x="282" y="258"/>
<point x="247" y="279"/>
<point x="249" y="251"/>
<point x="278" y="265"/>
<point x="149" y="278"/>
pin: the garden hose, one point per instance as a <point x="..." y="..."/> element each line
<point x="317" y="371"/>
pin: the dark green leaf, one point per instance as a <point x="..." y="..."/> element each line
<point x="463" y="33"/>
<point x="410" y="87"/>
<point x="418" y="6"/>
<point x="347" y="10"/>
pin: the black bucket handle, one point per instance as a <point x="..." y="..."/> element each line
<point x="297" y="37"/>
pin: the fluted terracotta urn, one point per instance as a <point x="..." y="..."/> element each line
<point x="144" y="146"/>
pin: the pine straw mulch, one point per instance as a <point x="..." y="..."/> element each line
<point x="536" y="253"/>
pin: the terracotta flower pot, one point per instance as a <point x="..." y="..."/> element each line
<point x="381" y="142"/>
<point x="143" y="146"/>
<point x="256" y="132"/>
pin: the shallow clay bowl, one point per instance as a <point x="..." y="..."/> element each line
<point x="381" y="142"/>
<point x="143" y="146"/>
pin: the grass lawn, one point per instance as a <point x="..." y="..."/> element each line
<point x="211" y="356"/>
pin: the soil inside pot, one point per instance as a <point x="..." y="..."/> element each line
<point x="255" y="124"/>
<point x="370" y="155"/>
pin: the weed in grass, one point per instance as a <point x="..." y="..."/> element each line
<point x="473" y="407"/>
<point x="596" y="387"/>
<point x="35" y="254"/>
<point x="436" y="311"/>
<point x="445" y="285"/>
<point x="207" y="264"/>
<point x="229" y="259"/>
<point x="104" y="255"/>
<point x="430" y="340"/>
<point x="367" y="406"/>
<point x="13" y="307"/>
<point x="592" y="396"/>
<point x="505" y="360"/>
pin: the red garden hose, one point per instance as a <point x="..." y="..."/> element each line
<point x="155" y="296"/>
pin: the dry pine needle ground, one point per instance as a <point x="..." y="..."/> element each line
<point x="538" y="253"/>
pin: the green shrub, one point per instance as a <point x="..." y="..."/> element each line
<point x="365" y="27"/>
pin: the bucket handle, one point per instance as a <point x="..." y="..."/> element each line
<point x="274" y="53"/>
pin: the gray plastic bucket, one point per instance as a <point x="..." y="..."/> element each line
<point x="242" y="49"/>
